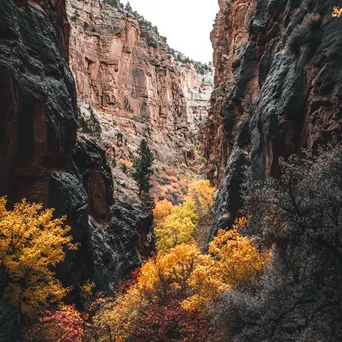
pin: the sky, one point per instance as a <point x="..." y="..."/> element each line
<point x="185" y="23"/>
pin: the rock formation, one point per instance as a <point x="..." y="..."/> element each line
<point x="130" y="87"/>
<point x="122" y="66"/>
<point x="277" y="90"/>
<point x="38" y="117"/>
<point x="39" y="155"/>
<point x="128" y="78"/>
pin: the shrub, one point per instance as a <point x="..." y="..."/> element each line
<point x="65" y="324"/>
<point x="125" y="165"/>
<point x="299" y="214"/>
<point x="113" y="3"/>
<point x="171" y="323"/>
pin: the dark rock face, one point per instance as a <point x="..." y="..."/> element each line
<point x="38" y="118"/>
<point x="8" y="324"/>
<point x="37" y="112"/>
<point x="122" y="245"/>
<point x="118" y="232"/>
<point x="278" y="90"/>
<point x="97" y="178"/>
<point x="39" y="157"/>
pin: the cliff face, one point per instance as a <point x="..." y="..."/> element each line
<point x="123" y="67"/>
<point x="39" y="155"/>
<point x="38" y="118"/>
<point x="126" y="75"/>
<point x="277" y="90"/>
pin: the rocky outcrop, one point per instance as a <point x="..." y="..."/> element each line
<point x="119" y="232"/>
<point x="39" y="157"/>
<point x="277" y="90"/>
<point x="38" y="100"/>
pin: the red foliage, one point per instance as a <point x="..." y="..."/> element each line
<point x="131" y="280"/>
<point x="65" y="325"/>
<point x="171" y="323"/>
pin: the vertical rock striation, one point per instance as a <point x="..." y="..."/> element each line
<point x="277" y="90"/>
<point x="39" y="157"/>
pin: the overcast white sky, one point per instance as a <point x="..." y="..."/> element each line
<point x="185" y="23"/>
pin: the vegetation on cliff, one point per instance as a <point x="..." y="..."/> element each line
<point x="142" y="167"/>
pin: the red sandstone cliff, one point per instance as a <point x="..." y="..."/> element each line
<point x="126" y="75"/>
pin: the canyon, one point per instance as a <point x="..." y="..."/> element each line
<point x="83" y="83"/>
<point x="128" y="86"/>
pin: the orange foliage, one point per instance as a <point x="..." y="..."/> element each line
<point x="169" y="172"/>
<point x="162" y="209"/>
<point x="126" y="164"/>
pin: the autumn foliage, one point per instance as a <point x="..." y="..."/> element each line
<point x="173" y="289"/>
<point x="167" y="299"/>
<point x="63" y="325"/>
<point x="178" y="227"/>
<point x="32" y="243"/>
<point x="170" y="322"/>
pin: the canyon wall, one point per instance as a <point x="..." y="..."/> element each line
<point x="130" y="87"/>
<point x="43" y="159"/>
<point x="126" y="75"/>
<point x="277" y="90"/>
<point x="122" y="66"/>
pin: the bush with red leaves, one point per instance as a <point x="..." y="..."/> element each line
<point x="171" y="323"/>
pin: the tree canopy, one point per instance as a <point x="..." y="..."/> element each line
<point x="32" y="243"/>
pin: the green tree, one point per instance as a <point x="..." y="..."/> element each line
<point x="128" y="7"/>
<point x="142" y="166"/>
<point x="113" y="3"/>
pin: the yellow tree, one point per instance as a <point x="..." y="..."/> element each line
<point x="237" y="260"/>
<point x="32" y="243"/>
<point x="167" y="275"/>
<point x="233" y="260"/>
<point x="114" y="319"/>
<point x="201" y="192"/>
<point x="177" y="227"/>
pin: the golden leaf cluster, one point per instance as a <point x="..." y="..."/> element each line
<point x="32" y="243"/>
